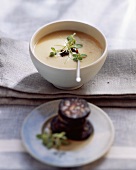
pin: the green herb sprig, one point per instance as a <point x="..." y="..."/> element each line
<point x="53" y="140"/>
<point x="54" y="52"/>
<point x="71" y="47"/>
<point x="79" y="57"/>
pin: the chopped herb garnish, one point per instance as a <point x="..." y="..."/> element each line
<point x="78" y="45"/>
<point x="53" y="140"/>
<point x="54" y="52"/>
<point x="71" y="47"/>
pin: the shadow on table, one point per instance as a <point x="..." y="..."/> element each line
<point x="34" y="83"/>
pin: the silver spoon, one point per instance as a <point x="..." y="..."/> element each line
<point x="78" y="79"/>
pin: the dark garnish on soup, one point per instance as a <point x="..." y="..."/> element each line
<point x="71" y="47"/>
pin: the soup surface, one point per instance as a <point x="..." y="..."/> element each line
<point x="57" y="40"/>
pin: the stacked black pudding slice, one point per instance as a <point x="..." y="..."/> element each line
<point x="72" y="119"/>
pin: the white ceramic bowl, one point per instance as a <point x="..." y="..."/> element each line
<point x="66" y="78"/>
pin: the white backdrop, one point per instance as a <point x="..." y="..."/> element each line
<point x="116" y="18"/>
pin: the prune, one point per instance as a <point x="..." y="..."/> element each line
<point x="74" y="50"/>
<point x="64" y="53"/>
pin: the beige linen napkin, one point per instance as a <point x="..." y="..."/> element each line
<point x="20" y="83"/>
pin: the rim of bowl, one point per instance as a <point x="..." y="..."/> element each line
<point x="59" y="21"/>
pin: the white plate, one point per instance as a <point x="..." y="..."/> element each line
<point x="78" y="152"/>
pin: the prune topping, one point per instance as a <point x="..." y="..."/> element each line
<point x="74" y="50"/>
<point x="64" y="53"/>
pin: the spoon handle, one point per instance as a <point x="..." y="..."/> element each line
<point x="78" y="79"/>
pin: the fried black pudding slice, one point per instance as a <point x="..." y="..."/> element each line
<point x="76" y="133"/>
<point x="71" y="119"/>
<point x="73" y="109"/>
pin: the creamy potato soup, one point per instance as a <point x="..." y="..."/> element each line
<point x="58" y="42"/>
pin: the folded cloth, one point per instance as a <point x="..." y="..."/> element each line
<point x="21" y="83"/>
